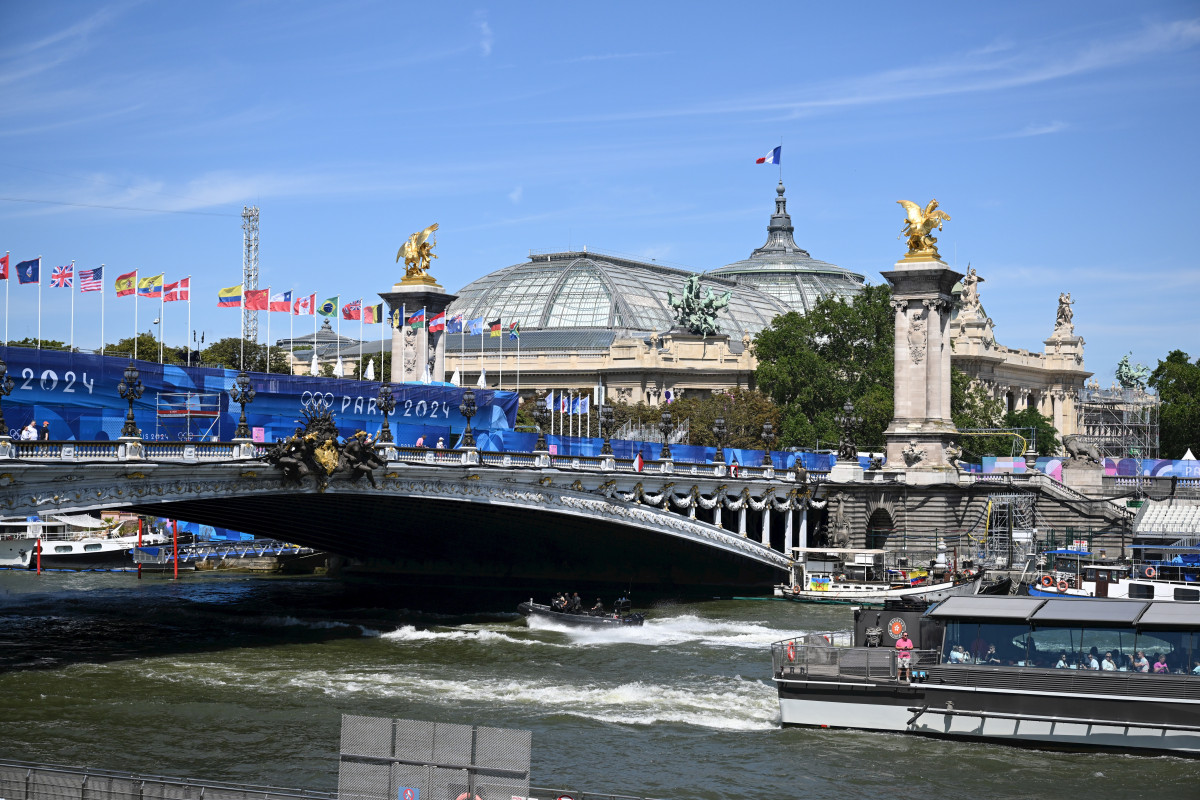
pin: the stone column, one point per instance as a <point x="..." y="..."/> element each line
<point x="413" y="348"/>
<point x="787" y="533"/>
<point x="766" y="523"/>
<point x="921" y="426"/>
<point x="742" y="520"/>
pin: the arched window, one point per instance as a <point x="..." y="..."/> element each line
<point x="880" y="527"/>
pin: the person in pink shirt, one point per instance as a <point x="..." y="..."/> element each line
<point x="904" y="647"/>
<point x="1160" y="663"/>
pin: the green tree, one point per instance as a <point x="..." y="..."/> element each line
<point x="47" y="344"/>
<point x="147" y="349"/>
<point x="1047" y="434"/>
<point x="972" y="407"/>
<point x="227" y="353"/>
<point x="744" y="412"/>
<point x="1177" y="382"/>
<point x="811" y="365"/>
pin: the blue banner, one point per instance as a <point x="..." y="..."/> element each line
<point x="77" y="394"/>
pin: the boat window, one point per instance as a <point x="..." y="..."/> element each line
<point x="1178" y="650"/>
<point x="971" y="643"/>
<point x="1141" y="591"/>
<point x="93" y="546"/>
<point x="62" y="548"/>
<point x="1192" y="595"/>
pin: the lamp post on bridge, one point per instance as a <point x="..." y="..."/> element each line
<point x="130" y="388"/>
<point x="665" y="427"/>
<point x="386" y="403"/>
<point x="242" y="392"/>
<point x="719" y="430"/>
<point x="541" y="415"/>
<point x="6" y="387"/>
<point x="848" y="422"/>
<point x="606" y="426"/>
<point x="468" y="408"/>
<point x="768" y="437"/>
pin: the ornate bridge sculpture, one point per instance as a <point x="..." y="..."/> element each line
<point x="449" y="517"/>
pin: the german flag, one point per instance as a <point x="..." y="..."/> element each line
<point x="494" y="327"/>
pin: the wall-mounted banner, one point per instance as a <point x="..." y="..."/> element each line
<point x="77" y="394"/>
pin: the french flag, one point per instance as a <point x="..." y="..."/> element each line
<point x="771" y="157"/>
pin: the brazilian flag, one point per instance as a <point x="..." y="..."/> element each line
<point x="329" y="308"/>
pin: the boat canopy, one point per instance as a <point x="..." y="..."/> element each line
<point x="1118" y="612"/>
<point x="79" y="520"/>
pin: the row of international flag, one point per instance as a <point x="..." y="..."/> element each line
<point x="155" y="286"/>
<point x="307" y="306"/>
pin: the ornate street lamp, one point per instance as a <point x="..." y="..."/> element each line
<point x="719" y="431"/>
<point x="606" y="426"/>
<point x="848" y="422"/>
<point x="387" y="404"/>
<point x="666" y="426"/>
<point x="130" y="388"/>
<point x="541" y="415"/>
<point x="768" y="437"/>
<point x="467" y="408"/>
<point x="242" y="393"/>
<point x="6" y="387"/>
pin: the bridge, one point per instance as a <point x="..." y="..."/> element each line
<point x="452" y="518"/>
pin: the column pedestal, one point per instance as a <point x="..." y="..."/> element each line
<point x="414" y="348"/>
<point x="921" y="429"/>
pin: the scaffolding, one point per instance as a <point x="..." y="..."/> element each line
<point x="649" y="432"/>
<point x="1010" y="540"/>
<point x="187" y="417"/>
<point x="1121" y="423"/>
<point x="249" y="270"/>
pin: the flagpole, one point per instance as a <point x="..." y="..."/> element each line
<point x="7" y="281"/>
<point x="481" y="380"/>
<point x="268" y="327"/>
<point x="189" y="327"/>
<point x="39" y="344"/>
<point x="518" y="360"/>
<point x="242" y="333"/>
<point x="314" y="319"/>
<point x="162" y="315"/>
<point x="500" y="385"/>
<point x="359" y="371"/>
<point x="291" y="334"/>
<point x="102" y="343"/>
<point x="72" y="305"/>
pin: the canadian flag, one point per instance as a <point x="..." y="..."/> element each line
<point x="304" y="305"/>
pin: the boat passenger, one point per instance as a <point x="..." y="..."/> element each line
<point x="1160" y="664"/>
<point x="1108" y="665"/>
<point x="1196" y="669"/>
<point x="598" y="609"/>
<point x="957" y="656"/>
<point x="990" y="656"/>
<point x="1092" y="661"/>
<point x="1140" y="664"/>
<point x="1062" y="662"/>
<point x="576" y="605"/>
<point x="904" y="646"/>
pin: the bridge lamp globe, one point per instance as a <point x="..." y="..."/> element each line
<point x="665" y="427"/>
<point x="606" y="424"/>
<point x="718" y="430"/>
<point x="6" y="388"/>
<point x="768" y="437"/>
<point x="467" y="408"/>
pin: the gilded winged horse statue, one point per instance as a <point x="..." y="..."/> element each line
<point x="920" y="225"/>
<point x="417" y="252"/>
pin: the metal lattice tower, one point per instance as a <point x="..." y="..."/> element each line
<point x="1012" y="530"/>
<point x="249" y="269"/>
<point x="1122" y="423"/>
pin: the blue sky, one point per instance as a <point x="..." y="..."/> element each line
<point x="1061" y="138"/>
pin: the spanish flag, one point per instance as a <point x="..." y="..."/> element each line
<point x="150" y="287"/>
<point x="126" y="284"/>
<point x="230" y="298"/>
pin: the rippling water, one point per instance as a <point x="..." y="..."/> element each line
<point x="244" y="679"/>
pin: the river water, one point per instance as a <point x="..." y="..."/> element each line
<point x="244" y="679"/>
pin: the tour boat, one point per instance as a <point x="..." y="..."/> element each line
<point x="1079" y="574"/>
<point x="68" y="542"/>
<point x="618" y="617"/>
<point x="1016" y="670"/>
<point x="849" y="576"/>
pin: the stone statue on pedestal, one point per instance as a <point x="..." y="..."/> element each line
<point x="1063" y="322"/>
<point x="970" y="293"/>
<point x="697" y="313"/>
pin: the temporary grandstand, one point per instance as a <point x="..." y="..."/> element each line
<point x="1122" y="423"/>
<point x="1163" y="520"/>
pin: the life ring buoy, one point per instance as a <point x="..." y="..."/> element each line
<point x="791" y="651"/>
<point x="1062" y="585"/>
<point x="796" y="589"/>
<point x="1149" y="572"/>
<point x="1047" y="581"/>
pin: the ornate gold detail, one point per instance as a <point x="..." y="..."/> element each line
<point x="922" y="246"/>
<point x="545" y="481"/>
<point x="417" y="252"/>
<point x="326" y="455"/>
<point x="472" y="478"/>
<point x="249" y="474"/>
<point x="577" y="486"/>
<point x="139" y="475"/>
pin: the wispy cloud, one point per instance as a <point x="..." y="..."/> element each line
<point x="485" y="33"/>
<point x="990" y="69"/>
<point x="515" y="194"/>
<point x="1035" y="129"/>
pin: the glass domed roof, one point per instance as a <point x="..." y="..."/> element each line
<point x="786" y="272"/>
<point x="581" y="289"/>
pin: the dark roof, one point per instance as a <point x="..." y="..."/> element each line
<point x="568" y="339"/>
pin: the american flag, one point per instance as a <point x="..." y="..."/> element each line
<point x="60" y="277"/>
<point x="91" y="280"/>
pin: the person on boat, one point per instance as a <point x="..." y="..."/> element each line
<point x="1139" y="663"/>
<point x="598" y="609"/>
<point x="1062" y="662"/>
<point x="957" y="655"/>
<point x="990" y="657"/>
<point x="576" y="605"/>
<point x="1196" y="669"/>
<point x="1092" y="660"/>
<point x="559" y="603"/>
<point x="904" y="647"/>
<point x="1160" y="664"/>
<point x="1108" y="665"/>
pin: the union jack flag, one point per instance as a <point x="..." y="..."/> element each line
<point x="91" y="280"/>
<point x="60" y="277"/>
